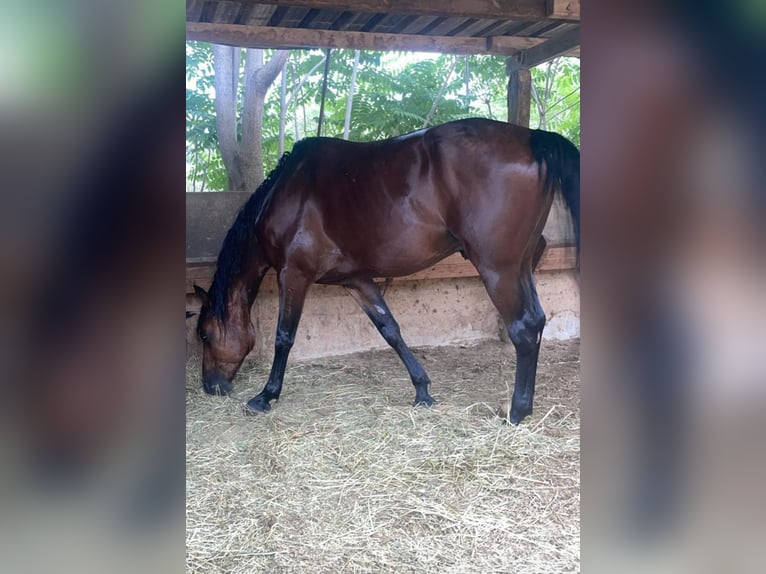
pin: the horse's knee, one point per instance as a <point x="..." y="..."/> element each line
<point x="284" y="340"/>
<point x="526" y="331"/>
<point x="522" y="336"/>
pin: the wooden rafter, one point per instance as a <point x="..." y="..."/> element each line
<point x="276" y="37"/>
<point x="556" y="258"/>
<point x="516" y="10"/>
<point x="564" y="9"/>
<point x="551" y="48"/>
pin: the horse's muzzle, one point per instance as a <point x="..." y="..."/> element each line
<point x="216" y="385"/>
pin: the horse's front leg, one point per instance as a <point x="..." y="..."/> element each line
<point x="292" y="294"/>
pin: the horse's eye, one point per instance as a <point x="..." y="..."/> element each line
<point x="203" y="337"/>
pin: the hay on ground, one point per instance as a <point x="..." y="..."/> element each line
<point x="344" y="475"/>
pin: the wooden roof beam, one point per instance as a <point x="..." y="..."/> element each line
<point x="553" y="47"/>
<point x="490" y="9"/>
<point x="275" y="37"/>
<point x="563" y="10"/>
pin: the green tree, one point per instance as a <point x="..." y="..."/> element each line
<point x="394" y="93"/>
<point x="556" y="97"/>
<point x="240" y="96"/>
<point x="204" y="167"/>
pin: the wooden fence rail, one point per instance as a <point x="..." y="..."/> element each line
<point x="556" y="258"/>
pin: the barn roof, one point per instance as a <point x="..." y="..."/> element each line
<point x="532" y="31"/>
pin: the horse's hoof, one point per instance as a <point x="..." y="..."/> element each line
<point x="519" y="414"/>
<point x="220" y="389"/>
<point x="425" y="402"/>
<point x="257" y="405"/>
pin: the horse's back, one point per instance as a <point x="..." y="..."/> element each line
<point x="395" y="206"/>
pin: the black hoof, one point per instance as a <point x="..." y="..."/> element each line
<point x="219" y="389"/>
<point x="427" y="401"/>
<point x="257" y="405"/>
<point x="518" y="414"/>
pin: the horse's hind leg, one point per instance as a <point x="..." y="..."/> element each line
<point x="367" y="294"/>
<point x="526" y="333"/>
<point x="515" y="297"/>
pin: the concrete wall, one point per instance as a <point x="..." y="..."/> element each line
<point x="208" y="218"/>
<point x="430" y="313"/>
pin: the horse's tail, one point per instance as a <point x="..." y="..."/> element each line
<point x="562" y="163"/>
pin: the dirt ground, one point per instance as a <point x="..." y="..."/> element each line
<point x="344" y="475"/>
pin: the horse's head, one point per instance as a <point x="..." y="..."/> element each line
<point x="225" y="343"/>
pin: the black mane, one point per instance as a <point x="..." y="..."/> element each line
<point x="234" y="250"/>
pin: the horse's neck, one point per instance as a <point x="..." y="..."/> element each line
<point x="250" y="281"/>
<point x="241" y="296"/>
<point x="242" y="287"/>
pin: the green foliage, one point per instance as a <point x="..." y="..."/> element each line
<point x="204" y="166"/>
<point x="394" y="94"/>
<point x="556" y="97"/>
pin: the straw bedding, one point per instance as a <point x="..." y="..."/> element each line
<point x="344" y="475"/>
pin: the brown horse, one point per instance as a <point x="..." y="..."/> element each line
<point x="343" y="213"/>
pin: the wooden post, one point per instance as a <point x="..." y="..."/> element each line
<point x="519" y="92"/>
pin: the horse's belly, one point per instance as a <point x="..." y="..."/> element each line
<point x="412" y="254"/>
<point x="391" y="258"/>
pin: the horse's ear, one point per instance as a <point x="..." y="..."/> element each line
<point x="201" y="293"/>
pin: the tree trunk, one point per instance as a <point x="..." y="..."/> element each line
<point x="258" y="79"/>
<point x="253" y="98"/>
<point x="226" y="110"/>
<point x="242" y="157"/>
